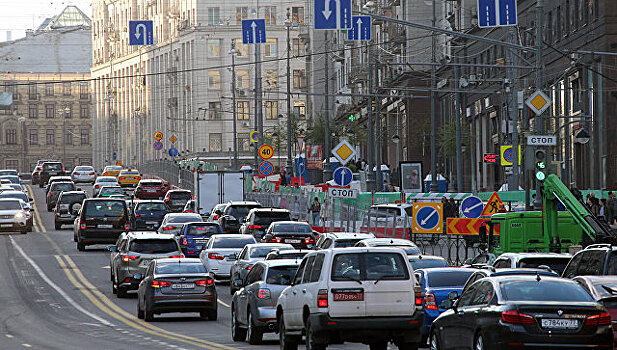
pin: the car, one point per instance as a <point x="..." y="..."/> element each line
<point x="189" y="207"/>
<point x="26" y="204"/>
<point x="557" y="262"/>
<point x="151" y="189"/>
<point x="103" y="181"/>
<point x="518" y="312"/>
<point x="340" y="239"/>
<point x="106" y="191"/>
<point x="129" y="177"/>
<point x="13" y="217"/>
<point x="176" y="285"/>
<point x="25" y="177"/>
<point x="221" y="251"/>
<point x="83" y="173"/>
<point x="9" y="172"/>
<point x="436" y="284"/>
<point x="298" y="234"/>
<point x="14" y="179"/>
<point x="36" y="173"/>
<point x="148" y="214"/>
<point x="389" y="220"/>
<point x="489" y="271"/>
<point x="172" y="222"/>
<point x="194" y="236"/>
<point x="251" y="254"/>
<point x="54" y="191"/>
<point x="133" y="256"/>
<point x="603" y="289"/>
<point x="258" y="219"/>
<point x="408" y="246"/>
<point x="253" y="307"/>
<point x="176" y="199"/>
<point x="101" y="221"/>
<point x="594" y="260"/>
<point x="49" y="169"/>
<point x="27" y="208"/>
<point x="354" y="295"/>
<point x="56" y="179"/>
<point x="234" y="213"/>
<point x="67" y="207"/>
<point x="427" y="261"/>
<point x="215" y="213"/>
<point x="12" y="193"/>
<point x="112" y="170"/>
<point x="276" y="254"/>
<point x="17" y="187"/>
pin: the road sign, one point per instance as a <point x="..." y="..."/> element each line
<point x="173" y="138"/>
<point x="254" y="136"/>
<point x="490" y="158"/>
<point x="493" y="205"/>
<point x="466" y="226"/>
<point x="158" y="136"/>
<point x="300" y="142"/>
<point x="542" y="140"/>
<point x="471" y="207"/>
<point x="360" y="28"/>
<point x="496" y="13"/>
<point x="173" y="152"/>
<point x="301" y="167"/>
<point x="328" y="17"/>
<point x="538" y="102"/>
<point x="507" y="154"/>
<point x="266" y="168"/>
<point x="342" y="176"/>
<point x="158" y="145"/>
<point x="427" y="218"/>
<point x="342" y="192"/>
<point x="344" y="152"/>
<point x="266" y="152"/>
<point x="253" y="31"/>
<point x="141" y="33"/>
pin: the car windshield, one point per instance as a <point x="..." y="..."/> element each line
<point x="281" y="275"/>
<point x="71" y="198"/>
<point x="107" y="190"/>
<point x="409" y="249"/>
<point x="105" y="208"/>
<point x="346" y="243"/>
<point x="299" y="227"/>
<point x="10" y="205"/>
<point x="8" y="172"/>
<point x="297" y="255"/>
<point x="18" y="195"/>
<point x="203" y="230"/>
<point x="153" y="246"/>
<point x="232" y="242"/>
<point x="113" y="168"/>
<point x="265" y="218"/>
<point x="543" y="290"/>
<point x="13" y="179"/>
<point x="558" y="264"/>
<point x="133" y="172"/>
<point x="239" y="212"/>
<point x="180" y="195"/>
<point x="184" y="219"/>
<point x="261" y="252"/>
<point x="448" y="278"/>
<point x="168" y="268"/>
<point x="151" y="207"/>
<point x="369" y="266"/>
<point x="63" y="187"/>
<point x="426" y="263"/>
<point x="52" y="166"/>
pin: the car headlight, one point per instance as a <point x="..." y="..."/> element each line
<point x="20" y="215"/>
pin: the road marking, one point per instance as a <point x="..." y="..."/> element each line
<point x="36" y="212"/>
<point x="26" y="345"/>
<point x="55" y="286"/>
<point x="106" y="267"/>
<point x="8" y="336"/>
<point x="222" y="303"/>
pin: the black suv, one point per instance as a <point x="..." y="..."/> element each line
<point x="595" y="260"/>
<point x="67" y="207"/>
<point x="258" y="220"/>
<point x="101" y="221"/>
<point x="298" y="234"/>
<point x="49" y="169"/>
<point x="233" y="214"/>
<point x="54" y="192"/>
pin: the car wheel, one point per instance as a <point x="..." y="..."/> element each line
<point x="148" y="314"/>
<point x="286" y="341"/>
<point x="311" y="339"/>
<point x="237" y="333"/>
<point x="255" y="335"/>
<point x="140" y="312"/>
<point x="48" y="207"/>
<point x="57" y="225"/>
<point x="114" y="290"/>
<point x="74" y="236"/>
<point x="120" y="292"/>
<point x="479" y="343"/>
<point x="433" y="342"/>
<point x="81" y="246"/>
<point x="378" y="346"/>
<point x="407" y="346"/>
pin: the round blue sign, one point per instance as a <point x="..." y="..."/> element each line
<point x="342" y="176"/>
<point x="471" y="207"/>
<point x="428" y="218"/>
<point x="173" y="152"/>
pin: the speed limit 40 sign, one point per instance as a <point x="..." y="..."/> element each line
<point x="266" y="152"/>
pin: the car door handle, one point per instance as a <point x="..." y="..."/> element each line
<point x="304" y="291"/>
<point x="460" y="313"/>
<point x="294" y="292"/>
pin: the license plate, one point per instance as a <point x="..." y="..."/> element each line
<point x="293" y="241"/>
<point x="183" y="285"/>
<point x="144" y="263"/>
<point x="348" y="296"/>
<point x="151" y="191"/>
<point x="559" y="323"/>
<point x="105" y="226"/>
<point x="177" y="202"/>
<point x="6" y="225"/>
<point x="151" y="222"/>
<point x="64" y="215"/>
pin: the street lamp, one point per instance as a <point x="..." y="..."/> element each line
<point x="233" y="52"/>
<point x="66" y="111"/>
<point x="278" y="147"/>
<point x="288" y="163"/>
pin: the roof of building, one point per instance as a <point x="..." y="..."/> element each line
<point x="71" y="16"/>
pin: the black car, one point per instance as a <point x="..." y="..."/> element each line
<point x="516" y="312"/>
<point x="258" y="220"/>
<point x="298" y="234"/>
<point x="148" y="214"/>
<point x="54" y="192"/>
<point x="595" y="260"/>
<point x="67" y="207"/>
<point x="101" y="221"/>
<point x="49" y="169"/>
<point x="234" y="214"/>
<point x="176" y="199"/>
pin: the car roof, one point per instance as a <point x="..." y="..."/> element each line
<point x="9" y="199"/>
<point x="431" y="270"/>
<point x="270" y="209"/>
<point x="530" y="278"/>
<point x="231" y="235"/>
<point x="535" y="255"/>
<point x="289" y="222"/>
<point x="230" y="203"/>
<point x="111" y="186"/>
<point x="598" y="279"/>
<point x="425" y="257"/>
<point x="140" y="201"/>
<point x="181" y="260"/>
<point x="105" y="177"/>
<point x="348" y="235"/>
<point x="518" y="271"/>
<point x="178" y="190"/>
<point x="149" y="235"/>
<point x="361" y="250"/>
<point x="173" y="215"/>
<point x="105" y="200"/>
<point x="392" y="241"/>
<point x="73" y="192"/>
<point x="281" y="262"/>
<point x="268" y="245"/>
<point x="13" y="192"/>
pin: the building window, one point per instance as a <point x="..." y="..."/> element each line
<point x="270" y="80"/>
<point x="11" y="136"/>
<point x="216" y="142"/>
<point x="84" y="111"/>
<point x="300" y="109"/>
<point x="34" y="136"/>
<point x="214" y="110"/>
<point x="84" y="92"/>
<point x="272" y="109"/>
<point x="12" y="164"/>
<point x="214" y="16"/>
<point x="214" y="47"/>
<point x="50" y="111"/>
<point x="270" y="14"/>
<point x="66" y="89"/>
<point x="244" y="144"/>
<point x="299" y="79"/>
<point x="50" y="137"/>
<point x="297" y="15"/>
<point x="214" y="79"/>
<point x="297" y="48"/>
<point x="270" y="48"/>
<point x="242" y="79"/>
<point x="242" y="110"/>
<point x="32" y="92"/>
<point x="241" y="13"/>
<point x="242" y="49"/>
<point x="84" y="137"/>
<point x="49" y="89"/>
<point x="33" y="111"/>
<point x="68" y="137"/>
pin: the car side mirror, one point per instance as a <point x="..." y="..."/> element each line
<point x="468" y="261"/>
<point x="453" y="295"/>
<point x="30" y="199"/>
<point x="79" y="189"/>
<point x="137" y="276"/>
<point x="112" y="248"/>
<point x="446" y="304"/>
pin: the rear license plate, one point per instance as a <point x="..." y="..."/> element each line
<point x="151" y="222"/>
<point x="105" y="226"/>
<point x="293" y="241"/>
<point x="144" y="263"/>
<point x="557" y="323"/>
<point x="348" y="294"/>
<point x="183" y="285"/>
<point x="177" y="202"/>
<point x="151" y="191"/>
<point x="6" y="225"/>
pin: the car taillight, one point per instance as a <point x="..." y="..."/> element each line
<point x="63" y="169"/>
<point x="127" y="227"/>
<point x="215" y="256"/>
<point x="76" y="173"/>
<point x="184" y="241"/>
<point x="167" y="228"/>
<point x="159" y="284"/>
<point x="253" y="227"/>
<point x="418" y="295"/>
<point x="91" y="173"/>
<point x="275" y="240"/>
<point x="514" y="317"/>
<point x="203" y="283"/>
<point x="177" y="256"/>
<point x="249" y="268"/>
<point x="216" y="217"/>
<point x="603" y="319"/>
<point x="82" y="226"/>
<point x="429" y="301"/>
<point x="322" y="298"/>
<point x="121" y="178"/>
<point x="193" y="198"/>
<point x="137" y="215"/>
<point x="130" y="257"/>
<point x="263" y="293"/>
<point x="309" y="241"/>
<point x="105" y="174"/>
<point x="96" y="186"/>
<point x="51" y="192"/>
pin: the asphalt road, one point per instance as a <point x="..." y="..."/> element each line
<point x="54" y="297"/>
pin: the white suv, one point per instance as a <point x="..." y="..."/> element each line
<point x="361" y="295"/>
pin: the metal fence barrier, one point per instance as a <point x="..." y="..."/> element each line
<point x="168" y="171"/>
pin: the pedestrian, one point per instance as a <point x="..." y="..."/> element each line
<point x="447" y="208"/>
<point x="614" y="208"/>
<point x="314" y="211"/>
<point x="595" y="203"/>
<point x="453" y="208"/>
<point x="601" y="207"/>
<point x="610" y="208"/>
<point x="386" y="186"/>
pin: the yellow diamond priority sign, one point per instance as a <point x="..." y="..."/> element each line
<point x="344" y="152"/>
<point x="173" y="138"/>
<point x="538" y="102"/>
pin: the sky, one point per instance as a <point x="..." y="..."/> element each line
<point x="18" y="15"/>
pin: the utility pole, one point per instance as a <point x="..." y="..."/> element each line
<point x="512" y="98"/>
<point x="327" y="173"/>
<point x="457" y="115"/>
<point x="539" y="123"/>
<point x="433" y="117"/>
<point x="370" y="179"/>
<point x="233" y="98"/>
<point x="288" y="164"/>
<point x="379" y="181"/>
<point x="258" y="101"/>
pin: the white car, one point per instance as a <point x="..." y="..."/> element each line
<point x="357" y="295"/>
<point x="408" y="246"/>
<point x="103" y="181"/>
<point x="13" y="217"/>
<point x="340" y="239"/>
<point x="83" y="173"/>
<point x="221" y="252"/>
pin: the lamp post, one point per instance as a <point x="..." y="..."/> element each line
<point x="288" y="164"/>
<point x="278" y="147"/>
<point x="66" y="111"/>
<point x="233" y="54"/>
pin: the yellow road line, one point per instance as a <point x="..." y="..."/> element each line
<point x="37" y="216"/>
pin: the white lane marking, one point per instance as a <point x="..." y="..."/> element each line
<point x="55" y="287"/>
<point x="222" y="303"/>
<point x="8" y="336"/>
<point x="106" y="267"/>
<point x="26" y="345"/>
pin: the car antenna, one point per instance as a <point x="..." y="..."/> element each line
<point x="538" y="277"/>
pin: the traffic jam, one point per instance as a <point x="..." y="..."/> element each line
<point x="298" y="283"/>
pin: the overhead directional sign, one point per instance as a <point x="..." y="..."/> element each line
<point x="344" y="152"/>
<point x="158" y="136"/>
<point x="254" y="136"/>
<point x="173" y="152"/>
<point x="507" y="154"/>
<point x="427" y="218"/>
<point x="466" y="226"/>
<point x="493" y="205"/>
<point x="266" y="168"/>
<point x="141" y="33"/>
<point x="496" y="13"/>
<point x="158" y="145"/>
<point x="173" y="138"/>
<point x="541" y="140"/>
<point x="471" y="207"/>
<point x="360" y="28"/>
<point x="538" y="102"/>
<point x="332" y="17"/>
<point x="253" y="31"/>
<point x="266" y="152"/>
<point x="342" y="176"/>
<point x="342" y="192"/>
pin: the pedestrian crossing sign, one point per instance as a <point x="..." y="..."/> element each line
<point x="493" y="205"/>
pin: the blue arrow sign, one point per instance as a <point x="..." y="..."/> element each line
<point x="266" y="168"/>
<point x="173" y="152"/>
<point x="342" y="176"/>
<point x="428" y="218"/>
<point x="301" y="167"/>
<point x="360" y="29"/>
<point x="328" y="16"/>
<point x="253" y="31"/>
<point x="141" y="33"/>
<point x="471" y="207"/>
<point x="497" y="13"/>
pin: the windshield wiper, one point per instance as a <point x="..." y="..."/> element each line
<point x="384" y="277"/>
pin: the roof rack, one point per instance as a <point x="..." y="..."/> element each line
<point x="598" y="245"/>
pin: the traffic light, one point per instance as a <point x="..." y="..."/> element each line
<point x="540" y="156"/>
<point x="352" y="117"/>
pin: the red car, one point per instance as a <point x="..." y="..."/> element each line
<point x="151" y="189"/>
